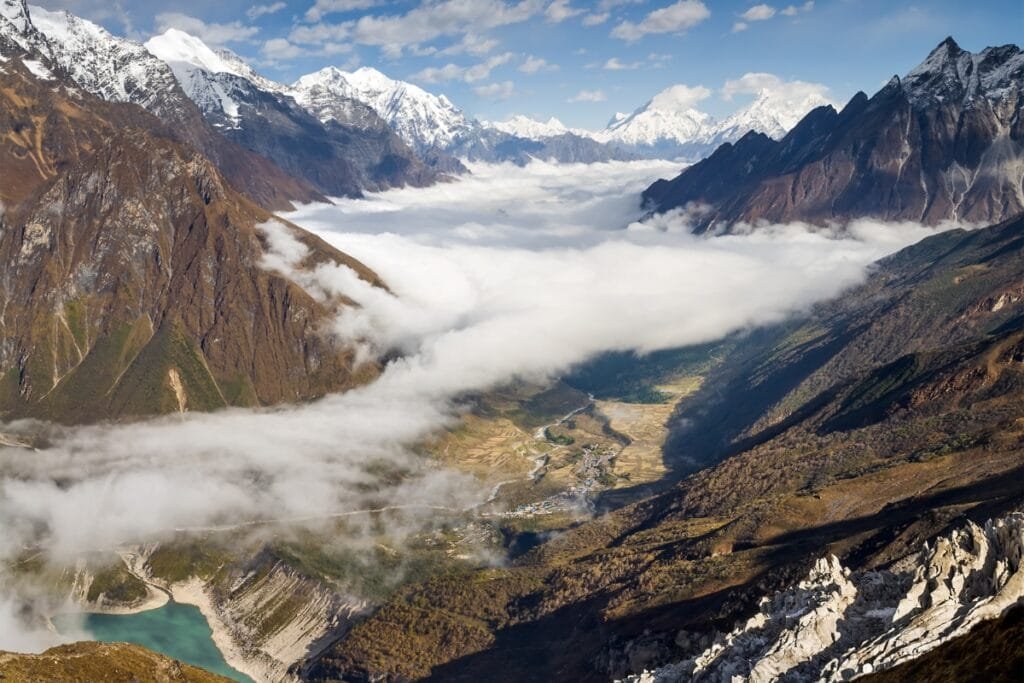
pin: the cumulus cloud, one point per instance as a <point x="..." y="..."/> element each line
<point x="758" y="13"/>
<point x="321" y="8"/>
<point x="469" y="74"/>
<point x="595" y="18"/>
<point x="764" y="12"/>
<point x="532" y="65"/>
<point x="793" y="10"/>
<point x="507" y="273"/>
<point x="471" y="44"/>
<point x="790" y="94"/>
<point x="588" y="96"/>
<point x="614" y="64"/>
<point x="672" y="19"/>
<point x="560" y="10"/>
<point x="210" y="33"/>
<point x="277" y="49"/>
<point x="496" y="91"/>
<point x="680" y="96"/>
<point x="257" y="11"/>
<point x="392" y="33"/>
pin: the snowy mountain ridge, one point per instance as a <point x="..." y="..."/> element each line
<point x="526" y="127"/>
<point x="952" y="73"/>
<point x="422" y="119"/>
<point x="670" y="125"/>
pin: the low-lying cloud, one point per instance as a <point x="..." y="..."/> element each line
<point x="508" y="273"/>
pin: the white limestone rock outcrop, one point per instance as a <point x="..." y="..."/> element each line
<point x="836" y="625"/>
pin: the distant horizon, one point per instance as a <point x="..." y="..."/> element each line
<point x="580" y="62"/>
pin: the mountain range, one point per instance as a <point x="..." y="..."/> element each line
<point x="341" y="132"/>
<point x="668" y="126"/>
<point x="944" y="143"/>
<point x="840" y="490"/>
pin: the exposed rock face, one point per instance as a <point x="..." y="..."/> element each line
<point x="266" y="615"/>
<point x="346" y="155"/>
<point x="836" y="625"/>
<point x="132" y="280"/>
<point x="945" y="143"/>
<point x="120" y="70"/>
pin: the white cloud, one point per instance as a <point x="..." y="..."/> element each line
<point x="596" y="18"/>
<point x="677" y="17"/>
<point x="324" y="7"/>
<point x="589" y="96"/>
<point x="614" y="64"/>
<point x="678" y="97"/>
<point x="560" y="10"/>
<point x="472" y="44"/>
<point x="532" y="65"/>
<point x="257" y="11"/>
<point x="472" y="266"/>
<point x="469" y="74"/>
<point x="793" y="10"/>
<point x="496" y="91"/>
<point x="435" y="19"/>
<point x="279" y="49"/>
<point x="210" y="33"/>
<point x="758" y="13"/>
<point x="758" y="82"/>
<point x="320" y="33"/>
<point x="740" y="26"/>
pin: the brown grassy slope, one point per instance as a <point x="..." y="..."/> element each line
<point x="132" y="282"/>
<point x="92" y="662"/>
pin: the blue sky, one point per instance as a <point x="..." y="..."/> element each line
<point x="580" y="61"/>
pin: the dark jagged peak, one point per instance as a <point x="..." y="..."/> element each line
<point x="951" y="74"/>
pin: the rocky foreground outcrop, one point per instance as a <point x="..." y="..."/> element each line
<point x="836" y="625"/>
<point x="946" y="142"/>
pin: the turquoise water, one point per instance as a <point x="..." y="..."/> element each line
<point x="176" y="630"/>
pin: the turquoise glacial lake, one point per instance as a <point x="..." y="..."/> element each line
<point x="176" y="630"/>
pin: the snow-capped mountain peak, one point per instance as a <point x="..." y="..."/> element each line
<point x="422" y="119"/>
<point x="116" y="69"/>
<point x="184" y="53"/>
<point x="950" y="73"/>
<point x="668" y="118"/>
<point x="526" y="127"/>
<point x="214" y="79"/>
<point x="773" y="112"/>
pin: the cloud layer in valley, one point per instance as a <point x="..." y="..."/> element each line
<point x="509" y="272"/>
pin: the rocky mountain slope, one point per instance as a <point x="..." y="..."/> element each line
<point x="835" y="625"/>
<point x="345" y="155"/>
<point x="884" y="419"/>
<point x="119" y="70"/>
<point x="133" y="280"/>
<point x="944" y="143"/>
